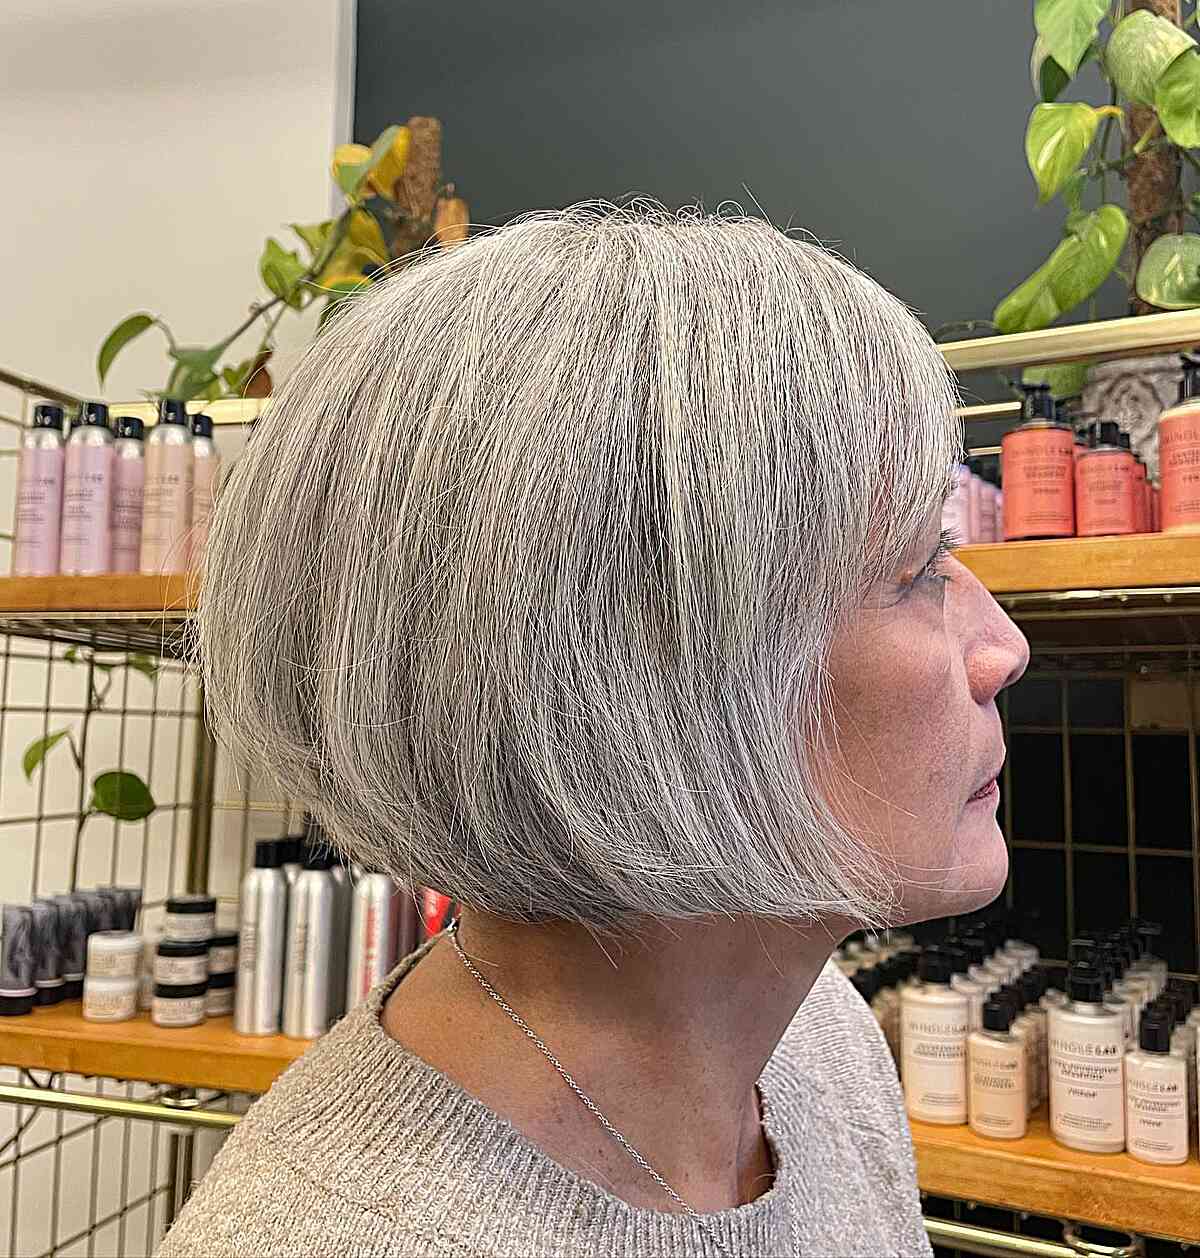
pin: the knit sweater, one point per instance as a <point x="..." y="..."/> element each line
<point x="361" y="1149"/>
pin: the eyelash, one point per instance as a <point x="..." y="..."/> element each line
<point x="947" y="543"/>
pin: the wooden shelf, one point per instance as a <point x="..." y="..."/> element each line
<point x="210" y="1055"/>
<point x="1153" y="560"/>
<point x="1037" y="1174"/>
<point x="116" y="611"/>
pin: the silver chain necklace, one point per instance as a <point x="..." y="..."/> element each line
<point x="452" y="931"/>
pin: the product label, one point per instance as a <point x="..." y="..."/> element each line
<point x="218" y="1001"/>
<point x="1156" y="1113"/>
<point x="186" y="1012"/>
<point x="109" y="1006"/>
<point x="1039" y="489"/>
<point x="39" y="509"/>
<point x="1179" y="468"/>
<point x="1105" y="494"/>
<point x="181" y="971"/>
<point x="114" y="964"/>
<point x="166" y="507"/>
<point x="248" y="945"/>
<point x="934" y="1060"/>
<point x="127" y="514"/>
<point x="222" y="960"/>
<point x="999" y="1087"/>
<point x="1087" y="1081"/>
<point x="87" y="491"/>
<point x="189" y="927"/>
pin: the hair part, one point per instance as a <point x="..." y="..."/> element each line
<point x="525" y="582"/>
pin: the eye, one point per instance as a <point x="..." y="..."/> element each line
<point x="932" y="571"/>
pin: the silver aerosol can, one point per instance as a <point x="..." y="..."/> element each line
<point x="376" y="913"/>
<point x="258" y="998"/>
<point x="306" y="977"/>
<point x="315" y="835"/>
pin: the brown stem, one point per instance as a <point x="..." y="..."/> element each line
<point x="1153" y="177"/>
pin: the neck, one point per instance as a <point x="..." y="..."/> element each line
<point x="667" y="1029"/>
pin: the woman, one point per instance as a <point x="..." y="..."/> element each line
<point x="591" y="572"/>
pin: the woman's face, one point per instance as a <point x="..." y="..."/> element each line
<point x="918" y="738"/>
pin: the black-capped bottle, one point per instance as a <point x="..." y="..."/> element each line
<point x="38" y="523"/>
<point x="1156" y="1095"/>
<point x="1087" y="1076"/>
<point x="933" y="1043"/>
<point x="87" y="495"/>
<point x="999" y="1075"/>
<point x="129" y="481"/>
<point x="1037" y="464"/>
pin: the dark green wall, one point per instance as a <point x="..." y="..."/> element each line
<point x="892" y="130"/>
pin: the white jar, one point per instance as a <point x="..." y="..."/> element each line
<point x="178" y="1006"/>
<point x="114" y="954"/>
<point x="190" y="918"/>
<point x="108" y="999"/>
<point x="178" y="964"/>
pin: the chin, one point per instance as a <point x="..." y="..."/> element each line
<point x="977" y="873"/>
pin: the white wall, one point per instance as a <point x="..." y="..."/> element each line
<point x="147" y="148"/>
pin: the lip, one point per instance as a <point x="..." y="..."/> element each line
<point x="990" y="786"/>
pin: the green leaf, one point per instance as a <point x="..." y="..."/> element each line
<point x="195" y="367"/>
<point x="1141" y="47"/>
<point x="1064" y="379"/>
<point x="338" y="291"/>
<point x="314" y="235"/>
<point x="1047" y="76"/>
<point x="1177" y="99"/>
<point x="143" y="664"/>
<point x="71" y="655"/>
<point x="1169" y="274"/>
<point x="121" y="795"/>
<point x="1071" y="274"/>
<point x="1072" y="191"/>
<point x="1068" y="27"/>
<point x="35" y="753"/>
<point x="125" y="331"/>
<point x="1055" y="141"/>
<point x="281" y="271"/>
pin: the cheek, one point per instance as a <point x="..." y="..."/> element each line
<point x="903" y="723"/>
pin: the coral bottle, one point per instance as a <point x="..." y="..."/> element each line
<point x="1037" y="458"/>
<point x="1179" y="455"/>
<point x="1104" y="485"/>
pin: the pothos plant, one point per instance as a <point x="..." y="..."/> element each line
<point x="116" y="793"/>
<point x="1116" y="167"/>
<point x="395" y="204"/>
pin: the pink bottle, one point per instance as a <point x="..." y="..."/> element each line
<point x="167" y="504"/>
<point x="207" y="465"/>
<point x="129" y="474"/>
<point x="87" y="495"/>
<point x="39" y="494"/>
<point x="956" y="512"/>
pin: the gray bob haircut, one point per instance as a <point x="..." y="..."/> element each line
<point x="525" y="584"/>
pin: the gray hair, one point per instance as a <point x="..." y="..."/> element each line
<point x="525" y="584"/>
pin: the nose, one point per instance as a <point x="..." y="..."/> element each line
<point x="995" y="650"/>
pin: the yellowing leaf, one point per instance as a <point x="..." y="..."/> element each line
<point x="350" y="163"/>
<point x="390" y="169"/>
<point x="365" y="233"/>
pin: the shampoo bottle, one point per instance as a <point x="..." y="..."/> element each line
<point x="1156" y="1095"/>
<point x="87" y="495"/>
<point x="1104" y="490"/>
<point x="933" y="1043"/>
<point x="1037" y="458"/>
<point x="1179" y="455"/>
<point x="1087" y="1077"/>
<point x="206" y="474"/>
<point x="40" y="494"/>
<point x="167" y="510"/>
<point x="999" y="1084"/>
<point x="129" y="474"/>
